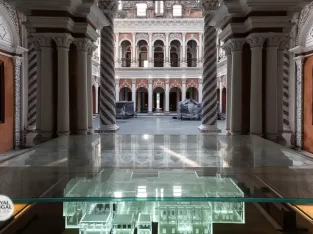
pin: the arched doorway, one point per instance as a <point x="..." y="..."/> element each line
<point x="94" y="100"/>
<point x="158" y="102"/>
<point x="142" y="53"/>
<point x="224" y="100"/>
<point x="307" y="105"/>
<point x="158" y="53"/>
<point x="175" y="53"/>
<point x="192" y="53"/>
<point x="175" y="97"/>
<point x="126" y="53"/>
<point x="142" y="100"/>
<point x="125" y="94"/>
<point x="192" y="93"/>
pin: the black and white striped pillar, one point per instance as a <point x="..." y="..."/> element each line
<point x="209" y="101"/>
<point x="286" y="91"/>
<point x="32" y="86"/>
<point x="107" y="71"/>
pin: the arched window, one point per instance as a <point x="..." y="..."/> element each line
<point x="141" y="9"/>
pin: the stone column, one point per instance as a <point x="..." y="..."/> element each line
<point x="200" y="90"/>
<point x="167" y="96"/>
<point x="200" y="51"/>
<point x="221" y="95"/>
<point x="228" y="53"/>
<point x="236" y="86"/>
<point x="280" y="93"/>
<point x="81" y="76"/>
<point x="117" y="90"/>
<point x="18" y="134"/>
<point x="271" y="128"/>
<point x="97" y="98"/>
<point x="167" y="56"/>
<point x="63" y="43"/>
<point x="32" y="86"/>
<point x="150" y="54"/>
<point x="89" y="88"/>
<point x="183" y="90"/>
<point x="134" y="93"/>
<point x="107" y="87"/>
<point x="286" y="94"/>
<point x="299" y="108"/>
<point x="256" y="123"/>
<point x="134" y="62"/>
<point x="150" y="97"/>
<point x="117" y="50"/>
<point x="184" y="55"/>
<point x="209" y="113"/>
<point x="38" y="92"/>
<point x="47" y="93"/>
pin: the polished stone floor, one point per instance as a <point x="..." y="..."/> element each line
<point x="159" y="125"/>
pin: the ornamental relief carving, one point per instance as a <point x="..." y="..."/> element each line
<point x="13" y="16"/>
<point x="141" y="36"/>
<point x="142" y="84"/>
<point x="157" y="36"/>
<point x="158" y="83"/>
<point x="304" y="15"/>
<point x="192" y="83"/>
<point x="125" y="83"/>
<point x="175" y="84"/>
<point x="176" y="36"/>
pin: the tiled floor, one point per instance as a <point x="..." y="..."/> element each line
<point x="159" y="125"/>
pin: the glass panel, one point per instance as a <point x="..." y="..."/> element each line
<point x="92" y="171"/>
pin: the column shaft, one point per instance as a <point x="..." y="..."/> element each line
<point x="271" y="128"/>
<point x="228" y="90"/>
<point x="236" y="93"/>
<point x="280" y="66"/>
<point x="184" y="89"/>
<point x="117" y="90"/>
<point x="167" y="96"/>
<point x="32" y="86"/>
<point x="256" y="123"/>
<point x="107" y="88"/>
<point x="97" y="99"/>
<point x="63" y="124"/>
<point x="134" y="93"/>
<point x="221" y="97"/>
<point x="200" y="90"/>
<point x="150" y="95"/>
<point x="209" y="112"/>
<point x="89" y="92"/>
<point x="38" y="95"/>
<point x="47" y="93"/>
<point x="82" y="100"/>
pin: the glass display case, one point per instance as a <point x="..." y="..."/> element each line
<point x="157" y="183"/>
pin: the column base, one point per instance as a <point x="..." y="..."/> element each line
<point x="209" y="129"/>
<point x="256" y="134"/>
<point x="271" y="137"/>
<point x="108" y="129"/>
<point x="200" y="64"/>
<point x="167" y="113"/>
<point x="63" y="133"/>
<point x="281" y="140"/>
<point x="90" y="131"/>
<point x="37" y="139"/>
<point x="234" y="133"/>
<point x="46" y="136"/>
<point x="81" y="131"/>
<point x="167" y="65"/>
<point x="228" y="133"/>
<point x="150" y="113"/>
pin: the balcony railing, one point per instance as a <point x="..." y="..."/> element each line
<point x="192" y="62"/>
<point x="175" y="62"/>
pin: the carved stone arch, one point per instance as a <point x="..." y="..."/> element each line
<point x="125" y="39"/>
<point x="10" y="25"/>
<point x="176" y="39"/>
<point x="193" y="39"/>
<point x="305" y="38"/>
<point x="304" y="22"/>
<point x="142" y="39"/>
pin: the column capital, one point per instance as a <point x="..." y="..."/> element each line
<point x="236" y="44"/>
<point x="255" y="40"/>
<point x="92" y="48"/>
<point x="150" y="80"/>
<point x="275" y="40"/>
<point x="133" y="81"/>
<point x="63" y="40"/>
<point x="284" y="43"/>
<point x="183" y="80"/>
<point x="42" y="40"/>
<point x="17" y="61"/>
<point x="117" y="81"/>
<point x="200" y="81"/>
<point x="167" y="80"/>
<point x="83" y="44"/>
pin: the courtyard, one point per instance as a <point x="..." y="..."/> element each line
<point x="158" y="125"/>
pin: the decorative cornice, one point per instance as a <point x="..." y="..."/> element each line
<point x="159" y="25"/>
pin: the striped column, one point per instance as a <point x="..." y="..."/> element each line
<point x="209" y="108"/>
<point x="107" y="80"/>
<point x="286" y="91"/>
<point x="32" y="86"/>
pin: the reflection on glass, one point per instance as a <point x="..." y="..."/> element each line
<point x="146" y="200"/>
